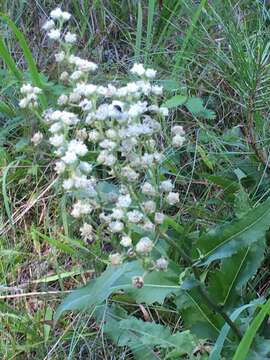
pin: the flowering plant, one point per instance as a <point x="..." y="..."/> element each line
<point x="121" y="126"/>
<point x="108" y="141"/>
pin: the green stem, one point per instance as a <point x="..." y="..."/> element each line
<point x="203" y="292"/>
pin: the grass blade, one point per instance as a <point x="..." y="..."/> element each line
<point x="138" y="33"/>
<point x="4" y="53"/>
<point x="245" y="344"/>
<point x="189" y="34"/>
<point x="150" y="20"/>
<point x="28" y="56"/>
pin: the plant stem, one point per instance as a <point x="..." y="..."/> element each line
<point x="203" y="292"/>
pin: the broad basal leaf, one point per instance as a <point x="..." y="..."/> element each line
<point x="136" y="333"/>
<point x="157" y="285"/>
<point x="227" y="239"/>
<point x="226" y="283"/>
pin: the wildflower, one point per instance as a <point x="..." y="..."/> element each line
<point x="172" y="198"/>
<point x="148" y="189"/>
<point x="144" y="246"/>
<point x="137" y="282"/>
<point x="178" y="130"/>
<point x="161" y="264"/>
<point x="166" y="185"/>
<point x="116" y="226"/>
<point x="86" y="232"/>
<point x="115" y="259"/>
<point x="37" y="138"/>
<point x="137" y="69"/>
<point x="134" y="216"/>
<point x="159" y="218"/>
<point x="48" y="25"/>
<point x="54" y="34"/>
<point x="150" y="73"/>
<point x="124" y="201"/>
<point x="126" y="241"/>
<point x="178" y="141"/>
<point x="149" y="206"/>
<point x="70" y="38"/>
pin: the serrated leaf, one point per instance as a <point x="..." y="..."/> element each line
<point x="196" y="107"/>
<point x="136" y="333"/>
<point x="157" y="286"/>
<point x="175" y="101"/>
<point x="225" y="240"/>
<point x="98" y="289"/>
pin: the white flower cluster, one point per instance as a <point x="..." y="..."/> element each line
<point x="121" y="125"/>
<point x="30" y="99"/>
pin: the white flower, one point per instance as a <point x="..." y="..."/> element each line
<point x="81" y="208"/>
<point x="59" y="57"/>
<point x="148" y="226"/>
<point x="64" y="76"/>
<point x="178" y="130"/>
<point x="178" y="141"/>
<point x="117" y="214"/>
<point x="86" y="105"/>
<point x="137" y="69"/>
<point x="76" y="75"/>
<point x="159" y="218"/>
<point x="116" y="226"/>
<point x="106" y="158"/>
<point x="126" y="241"/>
<point x="69" y="158"/>
<point x="115" y="259"/>
<point x="48" y="25"/>
<point x="124" y="201"/>
<point x="56" y="127"/>
<point x="148" y="189"/>
<point x="86" y="232"/>
<point x="149" y="207"/>
<point x="37" y="138"/>
<point x="111" y="134"/>
<point x="70" y="38"/>
<point x="144" y="246"/>
<point x="134" y="216"/>
<point x="94" y="136"/>
<point x="68" y="184"/>
<point x="172" y="198"/>
<point x="107" y="144"/>
<point x="62" y="100"/>
<point x="161" y="264"/>
<point x="57" y="140"/>
<point x="166" y="185"/>
<point x="66" y="16"/>
<point x="129" y="173"/>
<point x="78" y="147"/>
<point x="56" y="13"/>
<point x="54" y="34"/>
<point x="150" y="73"/>
<point x="60" y="167"/>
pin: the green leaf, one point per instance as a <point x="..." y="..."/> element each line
<point x="101" y="288"/>
<point x="136" y="333"/>
<point x="175" y="101"/>
<point x="157" y="286"/>
<point x="216" y="351"/>
<point x="246" y="342"/>
<point x="35" y="76"/>
<point x="196" y="107"/>
<point x="225" y="240"/>
<point x="226" y="283"/>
